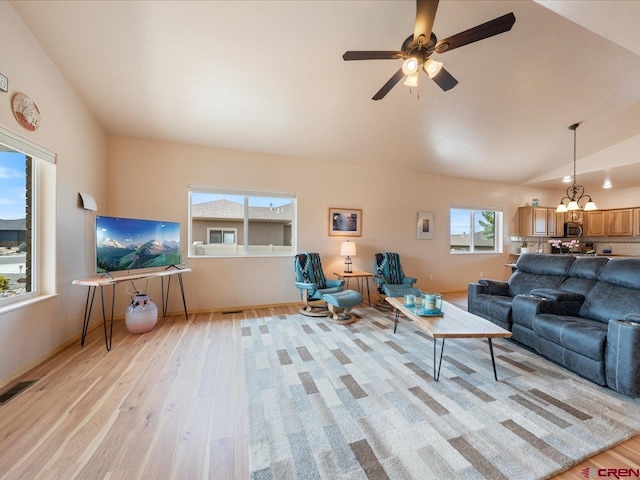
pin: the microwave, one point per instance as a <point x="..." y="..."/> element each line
<point x="572" y="229"/>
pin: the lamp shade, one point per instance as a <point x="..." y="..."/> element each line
<point x="410" y="66"/>
<point x="411" y="81"/>
<point x="347" y="249"/>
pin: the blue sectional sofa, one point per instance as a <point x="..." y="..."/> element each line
<point x="580" y="312"/>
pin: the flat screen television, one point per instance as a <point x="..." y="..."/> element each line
<point x="130" y="244"/>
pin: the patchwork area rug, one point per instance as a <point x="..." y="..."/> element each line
<point x="356" y="401"/>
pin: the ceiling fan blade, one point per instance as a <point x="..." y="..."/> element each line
<point x="425" y="16"/>
<point x="445" y="80"/>
<point x="494" y="27"/>
<point x="389" y="85"/>
<point x="371" y="55"/>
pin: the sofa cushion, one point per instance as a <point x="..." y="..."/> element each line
<point x="580" y="335"/>
<point x="494" y="307"/>
<point x="624" y="272"/>
<point x="545" y="264"/>
<point x="606" y="301"/>
<point x="583" y="274"/>
<point x="521" y="283"/>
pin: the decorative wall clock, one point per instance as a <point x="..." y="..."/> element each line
<point x="26" y="112"/>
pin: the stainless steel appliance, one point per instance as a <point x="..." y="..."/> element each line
<point x="572" y="229"/>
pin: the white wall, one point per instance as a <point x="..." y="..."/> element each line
<point x="150" y="180"/>
<point x="69" y="129"/>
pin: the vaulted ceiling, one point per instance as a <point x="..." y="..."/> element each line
<point x="268" y="76"/>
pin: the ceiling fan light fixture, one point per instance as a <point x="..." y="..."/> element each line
<point x="432" y="67"/>
<point x="410" y="66"/>
<point x="412" y="80"/>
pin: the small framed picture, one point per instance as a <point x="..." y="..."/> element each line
<point x="4" y="83"/>
<point x="425" y="225"/>
<point x="346" y="222"/>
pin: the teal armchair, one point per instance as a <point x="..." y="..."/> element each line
<point x="311" y="282"/>
<point x="390" y="278"/>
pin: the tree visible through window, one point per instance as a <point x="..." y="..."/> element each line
<point x="475" y="230"/>
<point x="227" y="222"/>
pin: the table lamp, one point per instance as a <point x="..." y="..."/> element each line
<point x="347" y="249"/>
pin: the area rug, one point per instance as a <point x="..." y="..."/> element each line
<point x="358" y="401"/>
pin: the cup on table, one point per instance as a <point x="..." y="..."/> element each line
<point x="410" y="300"/>
<point x="432" y="302"/>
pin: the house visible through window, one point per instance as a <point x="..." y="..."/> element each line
<point x="222" y="236"/>
<point x="26" y="181"/>
<point x="475" y="230"/>
<point x="226" y="222"/>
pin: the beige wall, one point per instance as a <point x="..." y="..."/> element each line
<point x="150" y="179"/>
<point x="390" y="200"/>
<point x="67" y="128"/>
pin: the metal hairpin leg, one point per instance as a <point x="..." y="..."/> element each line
<point x="396" y="324"/>
<point x="108" y="335"/>
<point x="165" y="298"/>
<point x="493" y="360"/>
<point x="436" y="376"/>
<point x="87" y="313"/>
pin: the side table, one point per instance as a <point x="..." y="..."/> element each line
<point x="360" y="277"/>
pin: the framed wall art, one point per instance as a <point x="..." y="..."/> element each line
<point x="425" y="226"/>
<point x="346" y="222"/>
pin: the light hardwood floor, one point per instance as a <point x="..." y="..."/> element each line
<point x="166" y="404"/>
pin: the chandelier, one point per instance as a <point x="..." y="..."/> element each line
<point x="575" y="193"/>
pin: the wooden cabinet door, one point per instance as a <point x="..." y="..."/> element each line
<point x="540" y="221"/>
<point x="636" y="221"/>
<point x="595" y="224"/>
<point x="620" y="222"/>
<point x="533" y="221"/>
<point x="555" y="223"/>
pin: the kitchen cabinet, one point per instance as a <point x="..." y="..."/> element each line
<point x="636" y="222"/>
<point x="619" y="222"/>
<point x="595" y="223"/>
<point x="533" y="221"/>
<point x="554" y="228"/>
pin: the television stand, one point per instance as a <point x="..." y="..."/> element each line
<point x="103" y="281"/>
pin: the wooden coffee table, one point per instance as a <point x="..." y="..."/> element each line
<point x="455" y="323"/>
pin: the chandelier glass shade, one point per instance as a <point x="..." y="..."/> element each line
<point x="576" y="198"/>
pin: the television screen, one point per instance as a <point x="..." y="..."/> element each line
<point x="128" y="244"/>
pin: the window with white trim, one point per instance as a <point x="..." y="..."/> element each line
<point x="27" y="197"/>
<point x="475" y="230"/>
<point x="227" y="222"/>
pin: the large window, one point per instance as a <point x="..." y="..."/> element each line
<point x="475" y="230"/>
<point x="27" y="198"/>
<point x="227" y="222"/>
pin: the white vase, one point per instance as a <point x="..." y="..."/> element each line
<point x="524" y="249"/>
<point x="141" y="315"/>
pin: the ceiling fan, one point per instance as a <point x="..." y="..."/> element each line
<point x="418" y="47"/>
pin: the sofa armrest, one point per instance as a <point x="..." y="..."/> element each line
<point x="622" y="360"/>
<point x="526" y="307"/>
<point x="494" y="287"/>
<point x="557" y="295"/>
<point x="632" y="317"/>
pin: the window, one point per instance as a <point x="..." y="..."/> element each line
<point x="475" y="230"/>
<point x="217" y="235"/>
<point x="27" y="219"/>
<point x="228" y="222"/>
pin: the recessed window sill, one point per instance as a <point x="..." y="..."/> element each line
<point x="10" y="307"/>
